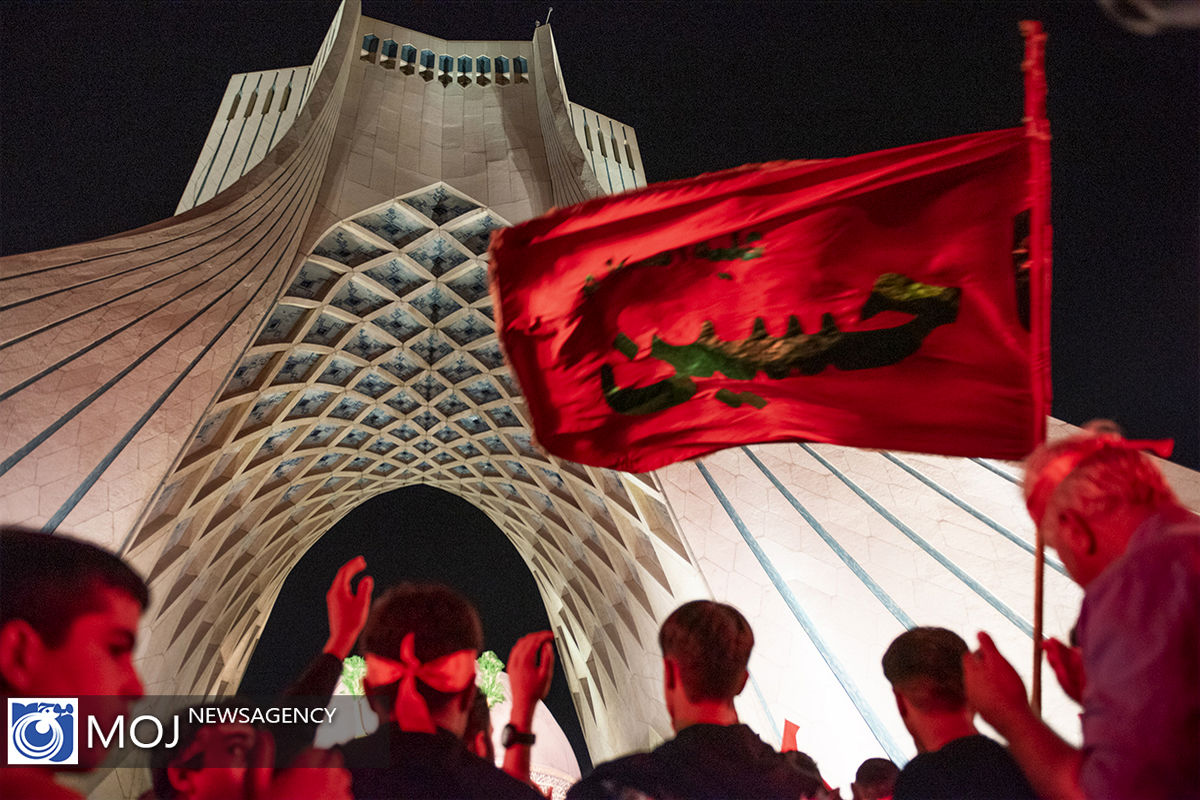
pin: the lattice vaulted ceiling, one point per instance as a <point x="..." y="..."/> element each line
<point x="379" y="368"/>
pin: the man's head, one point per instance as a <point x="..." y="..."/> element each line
<point x="924" y="666"/>
<point x="1087" y="494"/>
<point x="208" y="761"/>
<point x="875" y="779"/>
<point x="441" y="622"/>
<point x="68" y="617"/>
<point x="705" y="647"/>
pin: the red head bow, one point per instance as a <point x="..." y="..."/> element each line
<point x="450" y="673"/>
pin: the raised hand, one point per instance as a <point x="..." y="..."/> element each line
<point x="992" y="686"/>
<point x="529" y="678"/>
<point x="347" y="609"/>
<point x="1067" y="663"/>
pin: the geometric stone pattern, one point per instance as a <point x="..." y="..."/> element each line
<point x="209" y="394"/>
<point x="380" y="368"/>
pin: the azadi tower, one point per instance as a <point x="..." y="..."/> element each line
<point x="209" y="394"/>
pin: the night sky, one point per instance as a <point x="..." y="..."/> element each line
<point x="106" y="105"/>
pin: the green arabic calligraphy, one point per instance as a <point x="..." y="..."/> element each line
<point x="794" y="351"/>
<point x="736" y="251"/>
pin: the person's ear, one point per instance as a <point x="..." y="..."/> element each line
<point x="1077" y="532"/>
<point x="180" y="779"/>
<point x="22" y="653"/>
<point x="901" y="703"/>
<point x="742" y="683"/>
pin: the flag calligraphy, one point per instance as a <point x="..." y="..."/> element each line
<point x="888" y="300"/>
<point x="877" y="301"/>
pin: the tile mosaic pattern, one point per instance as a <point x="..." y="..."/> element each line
<point x="379" y="368"/>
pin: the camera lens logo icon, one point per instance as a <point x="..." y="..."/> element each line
<point x="42" y="730"/>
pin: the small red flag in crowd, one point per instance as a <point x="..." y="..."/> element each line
<point x="894" y="300"/>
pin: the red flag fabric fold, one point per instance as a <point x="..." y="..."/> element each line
<point x="882" y="300"/>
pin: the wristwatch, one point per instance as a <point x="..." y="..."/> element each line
<point x="510" y="736"/>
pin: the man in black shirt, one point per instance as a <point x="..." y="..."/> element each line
<point x="924" y="666"/>
<point x="706" y="647"/>
<point x="421" y="642"/>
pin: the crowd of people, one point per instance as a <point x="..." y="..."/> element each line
<point x="69" y="615"/>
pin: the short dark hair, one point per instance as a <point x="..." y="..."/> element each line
<point x="49" y="580"/>
<point x="876" y="777"/>
<point x="441" y="620"/>
<point x="925" y="664"/>
<point x="711" y="643"/>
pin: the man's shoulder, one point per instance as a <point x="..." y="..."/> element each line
<point x="973" y="766"/>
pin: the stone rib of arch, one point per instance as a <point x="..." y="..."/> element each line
<point x="378" y="368"/>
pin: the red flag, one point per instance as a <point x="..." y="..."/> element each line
<point x="876" y="301"/>
<point x="884" y="300"/>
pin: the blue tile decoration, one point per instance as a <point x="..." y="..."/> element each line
<point x="349" y="408"/>
<point x="483" y="65"/>
<point x="426" y="419"/>
<point x="460" y="471"/>
<point x="390" y="47"/>
<point x="517" y="470"/>
<point x="468" y="328"/>
<point x="435" y="303"/>
<point x="378" y="419"/>
<point x="408" y="53"/>
<point x="407" y="457"/>
<point x="319" y="435"/>
<point x="328" y="461"/>
<point x="442" y="458"/>
<point x="354" y="439"/>
<point x="382" y="446"/>
<point x="264" y="406"/>
<point x="475" y="233"/>
<point x="343" y="246"/>
<point x="467" y="450"/>
<point x="297" y="367"/>
<point x="472" y="423"/>
<point x="366" y="347"/>
<point x="247" y="372"/>
<point x="509" y="489"/>
<point x="524" y="445"/>
<point x="361" y="462"/>
<point x="424" y="467"/>
<point x="504" y="417"/>
<point x="439" y="204"/>
<point x="451" y="405"/>
<point x="393" y="225"/>
<point x="326" y="330"/>
<point x="447" y="435"/>
<point x="481" y="391"/>
<point x="427" y="59"/>
<point x="285" y="468"/>
<point x="553" y="478"/>
<point x="487" y="469"/>
<point x="405" y="433"/>
<point x="428" y="387"/>
<point x="312" y="281"/>
<point x="274" y="442"/>
<point x="331" y="484"/>
<point x="399" y="278"/>
<point x="310" y="404"/>
<point x="401" y="367"/>
<point x="209" y="430"/>
<point x="385" y="468"/>
<point x="458" y="370"/>
<point x="402" y="402"/>
<point x="400" y="324"/>
<point x="509" y="383"/>
<point x="281" y="324"/>
<point x="338" y="372"/>
<point x="489" y="355"/>
<point x="293" y="492"/>
<point x="372" y="385"/>
<point x="425" y="445"/>
<point x="494" y="444"/>
<point x="471" y="285"/>
<point x="370" y="43"/>
<point x="431" y="348"/>
<point x="437" y="254"/>
<point x="358" y="299"/>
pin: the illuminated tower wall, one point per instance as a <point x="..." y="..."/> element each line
<point x="209" y="394"/>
